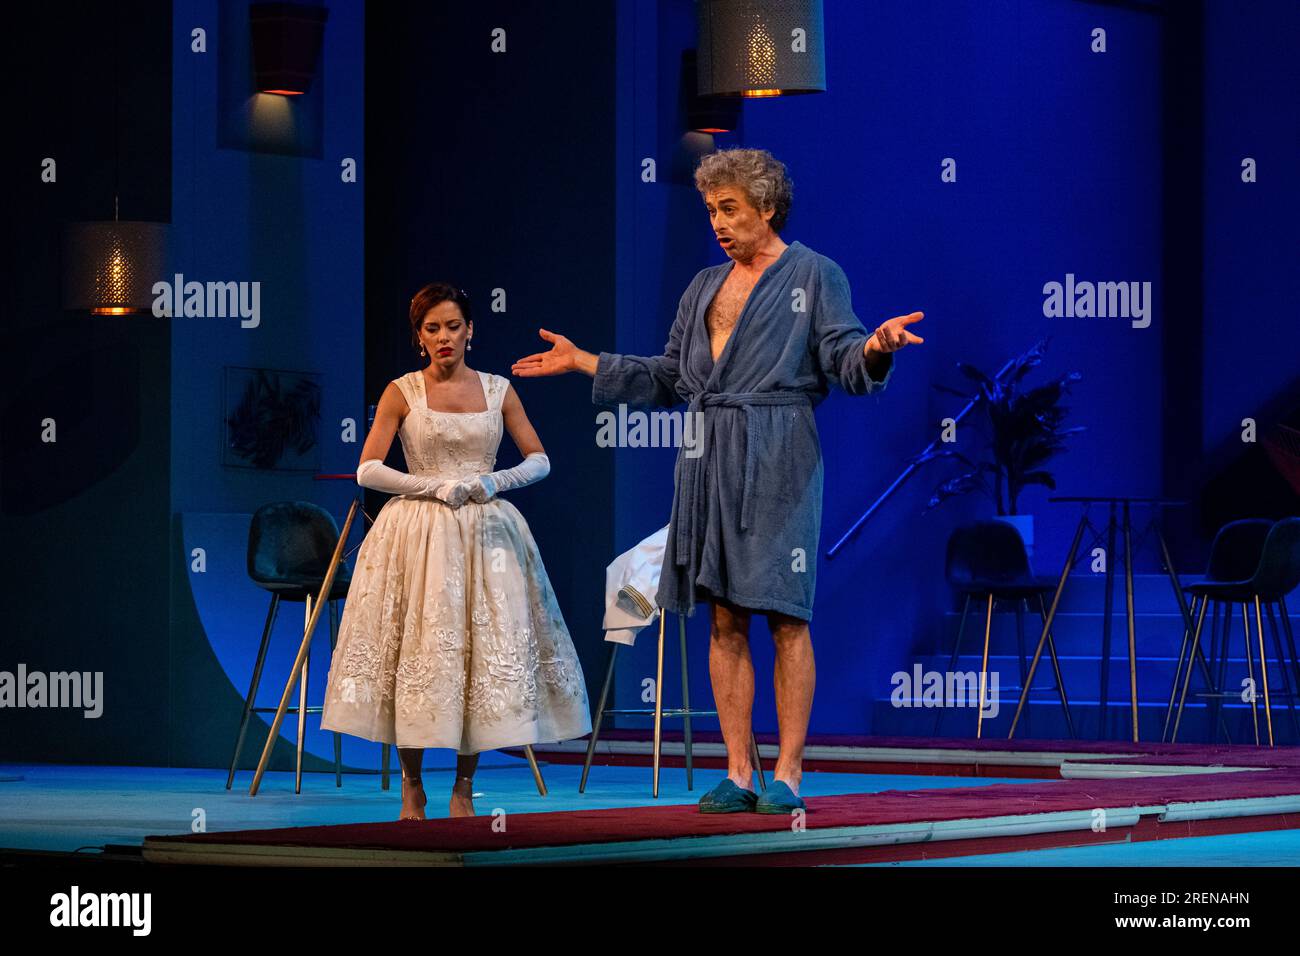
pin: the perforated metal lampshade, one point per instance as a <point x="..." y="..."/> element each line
<point x="109" y="268"/>
<point x="746" y="47"/>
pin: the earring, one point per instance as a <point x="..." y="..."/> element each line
<point x="422" y="352"/>
<point x="468" y="345"/>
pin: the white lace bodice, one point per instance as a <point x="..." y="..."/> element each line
<point x="450" y="444"/>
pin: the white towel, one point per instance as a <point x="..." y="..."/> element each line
<point x="631" y="583"/>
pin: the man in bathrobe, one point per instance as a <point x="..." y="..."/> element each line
<point x="756" y="343"/>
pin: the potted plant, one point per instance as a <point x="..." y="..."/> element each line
<point x="1023" y="429"/>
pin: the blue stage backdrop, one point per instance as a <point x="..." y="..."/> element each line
<point x="1066" y="163"/>
<point x="965" y="154"/>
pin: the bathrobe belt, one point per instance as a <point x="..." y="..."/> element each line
<point x="691" y="471"/>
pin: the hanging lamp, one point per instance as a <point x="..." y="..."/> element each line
<point x="761" y="47"/>
<point x="110" y="267"/>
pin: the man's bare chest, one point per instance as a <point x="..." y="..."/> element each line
<point x="725" y="309"/>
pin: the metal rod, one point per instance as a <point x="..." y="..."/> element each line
<point x="659" y="705"/>
<point x="1047" y="621"/>
<point x="1132" y="633"/>
<point x="600" y="716"/>
<point x="686" y="702"/>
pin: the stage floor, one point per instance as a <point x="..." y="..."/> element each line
<point x="64" y="808"/>
<point x="1029" y="804"/>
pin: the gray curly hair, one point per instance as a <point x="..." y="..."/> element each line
<point x="757" y="172"/>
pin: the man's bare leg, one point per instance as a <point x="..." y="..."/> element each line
<point x="732" y="672"/>
<point x="794" y="677"/>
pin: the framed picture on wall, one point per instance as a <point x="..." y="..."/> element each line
<point x="271" y="419"/>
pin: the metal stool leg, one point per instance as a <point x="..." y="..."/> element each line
<point x="758" y="761"/>
<point x="1178" y="672"/>
<point x="686" y="704"/>
<point x="1224" y="634"/>
<point x="659" y="706"/>
<point x="984" y="669"/>
<point x="1056" y="671"/>
<point x="251" y="699"/>
<point x="1290" y="639"/>
<point x="1282" y="669"/>
<point x="537" y="771"/>
<point x="1020" y="648"/>
<point x="302" y="708"/>
<point x="1187" y="678"/>
<point x="952" y="664"/>
<point x="338" y="738"/>
<point x="600" y="716"/>
<point x="1250" y="673"/>
<point x="1263" y="670"/>
<point x="1199" y="658"/>
<point x="1051" y="616"/>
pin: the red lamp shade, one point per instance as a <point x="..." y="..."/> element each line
<point x="286" y="41"/>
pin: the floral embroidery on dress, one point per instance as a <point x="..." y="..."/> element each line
<point x="451" y="633"/>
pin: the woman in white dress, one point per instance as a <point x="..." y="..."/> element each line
<point x="451" y="634"/>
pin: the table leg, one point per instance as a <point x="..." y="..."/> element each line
<point x="1103" y="695"/>
<point x="1132" y="636"/>
<point x="1047" y="621"/>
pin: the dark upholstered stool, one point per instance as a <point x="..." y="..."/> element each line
<point x="1234" y="555"/>
<point x="290" y="544"/>
<point x="1276" y="575"/>
<point x="987" y="559"/>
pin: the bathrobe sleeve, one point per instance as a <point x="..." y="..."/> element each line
<point x="839" y="337"/>
<point x="646" y="381"/>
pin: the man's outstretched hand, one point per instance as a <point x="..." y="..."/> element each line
<point x="892" y="335"/>
<point x="561" y="358"/>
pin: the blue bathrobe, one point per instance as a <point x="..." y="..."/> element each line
<point x="746" y="517"/>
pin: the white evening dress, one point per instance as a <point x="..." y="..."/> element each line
<point x="451" y="634"/>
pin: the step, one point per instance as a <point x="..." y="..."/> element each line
<point x="1085" y="591"/>
<point x="1082" y="673"/>
<point x="1081" y="632"/>
<point x="1044" y="719"/>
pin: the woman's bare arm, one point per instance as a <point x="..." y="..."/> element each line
<point x="388" y="418"/>
<point x="517" y="423"/>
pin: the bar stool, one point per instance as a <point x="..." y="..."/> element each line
<point x="1234" y="555"/>
<point x="988" y="559"/>
<point x="290" y="544"/>
<point x="1277" y="574"/>
<point x="659" y="712"/>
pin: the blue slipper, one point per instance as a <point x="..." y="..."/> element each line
<point x="779" y="798"/>
<point x="726" y="797"/>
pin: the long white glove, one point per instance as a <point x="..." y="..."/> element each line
<point x="533" y="468"/>
<point x="373" y="473"/>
